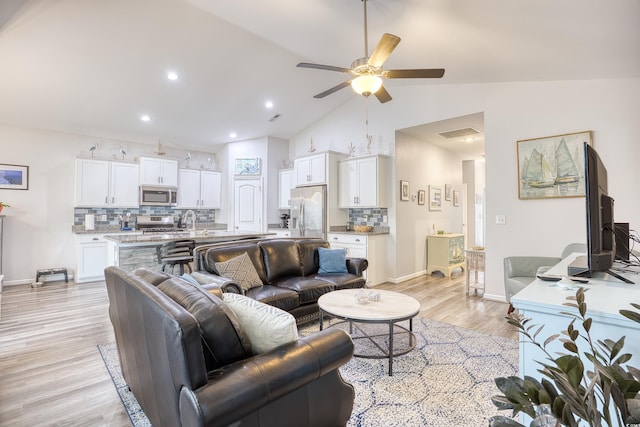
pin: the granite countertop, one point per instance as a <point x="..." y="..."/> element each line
<point x="343" y="230"/>
<point x="200" y="236"/>
<point x="115" y="229"/>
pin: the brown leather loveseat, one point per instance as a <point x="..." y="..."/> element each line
<point x="288" y="270"/>
<point x="188" y="361"/>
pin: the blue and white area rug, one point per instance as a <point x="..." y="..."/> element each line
<point x="447" y="380"/>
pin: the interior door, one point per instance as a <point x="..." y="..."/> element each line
<point x="248" y="205"/>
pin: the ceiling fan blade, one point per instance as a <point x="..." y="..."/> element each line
<point x="333" y="89"/>
<point x="426" y="73"/>
<point x="382" y="95"/>
<point x="387" y="43"/>
<point x="323" y="67"/>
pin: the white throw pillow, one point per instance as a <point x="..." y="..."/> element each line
<point x="241" y="270"/>
<point x="266" y="326"/>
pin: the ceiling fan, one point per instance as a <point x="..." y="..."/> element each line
<point x="367" y="72"/>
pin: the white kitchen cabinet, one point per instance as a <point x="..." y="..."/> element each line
<point x="363" y="182"/>
<point x="156" y="171"/>
<point x="199" y="189"/>
<point x="369" y="246"/>
<point x="285" y="184"/>
<point x="101" y="183"/>
<point x="280" y="233"/>
<point x="91" y="257"/>
<point x="310" y="170"/>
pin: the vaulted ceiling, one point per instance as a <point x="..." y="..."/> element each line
<point x="96" y="66"/>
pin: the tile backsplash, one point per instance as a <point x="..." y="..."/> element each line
<point x="202" y="215"/>
<point x="375" y="217"/>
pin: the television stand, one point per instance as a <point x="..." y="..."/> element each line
<point x="619" y="277"/>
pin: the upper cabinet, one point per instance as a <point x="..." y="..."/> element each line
<point x="363" y="182"/>
<point x="199" y="189"/>
<point x="310" y="170"/>
<point x="285" y="184"/>
<point x="101" y="183"/>
<point x="156" y="171"/>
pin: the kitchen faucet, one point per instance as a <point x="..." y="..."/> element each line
<point x="193" y="219"/>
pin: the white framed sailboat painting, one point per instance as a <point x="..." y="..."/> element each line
<point x="552" y="166"/>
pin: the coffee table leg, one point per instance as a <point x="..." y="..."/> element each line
<point x="321" y="316"/>
<point x="390" y="348"/>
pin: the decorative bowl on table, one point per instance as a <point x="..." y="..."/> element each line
<point x="362" y="228"/>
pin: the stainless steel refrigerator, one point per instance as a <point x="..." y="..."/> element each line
<point x="309" y="211"/>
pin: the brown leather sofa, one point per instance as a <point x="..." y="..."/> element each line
<point x="288" y="269"/>
<point x="188" y="361"/>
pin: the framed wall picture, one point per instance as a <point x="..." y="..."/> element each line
<point x="447" y="191"/>
<point x="404" y="190"/>
<point x="456" y="198"/>
<point x="247" y="166"/>
<point x="435" y="198"/>
<point x="421" y="197"/>
<point x="552" y="166"/>
<point x="14" y="177"/>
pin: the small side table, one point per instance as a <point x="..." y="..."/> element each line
<point x="52" y="271"/>
<point x="475" y="263"/>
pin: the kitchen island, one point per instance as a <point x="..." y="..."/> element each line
<point x="131" y="251"/>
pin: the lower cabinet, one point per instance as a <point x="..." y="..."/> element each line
<point x="91" y="257"/>
<point x="369" y="246"/>
<point x="279" y="233"/>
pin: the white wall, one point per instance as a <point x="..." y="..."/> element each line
<point x="512" y="111"/>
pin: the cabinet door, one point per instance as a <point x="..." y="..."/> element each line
<point x="285" y="184"/>
<point x="169" y="172"/>
<point x="91" y="258"/>
<point x="124" y="185"/>
<point x="189" y="188"/>
<point x="150" y="170"/>
<point x="367" y="184"/>
<point x="348" y="190"/>
<point x="317" y="169"/>
<point x="301" y="170"/>
<point x="92" y="182"/>
<point x="210" y="187"/>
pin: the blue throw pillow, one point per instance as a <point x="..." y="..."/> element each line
<point x="189" y="278"/>
<point x="332" y="260"/>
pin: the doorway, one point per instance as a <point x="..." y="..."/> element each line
<point x="248" y="205"/>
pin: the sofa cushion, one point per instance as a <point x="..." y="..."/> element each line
<point x="223" y="337"/>
<point x="267" y="326"/>
<point x="308" y="249"/>
<point x="241" y="270"/>
<point x="332" y="260"/>
<point x="231" y="250"/>
<point x="308" y="289"/>
<point x="285" y="299"/>
<point x="342" y="280"/>
<point x="281" y="258"/>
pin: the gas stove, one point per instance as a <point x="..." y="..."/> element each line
<point x="156" y="224"/>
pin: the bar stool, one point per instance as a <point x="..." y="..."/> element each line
<point x="176" y="252"/>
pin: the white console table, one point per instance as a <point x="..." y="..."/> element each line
<point x="543" y="302"/>
<point x="445" y="253"/>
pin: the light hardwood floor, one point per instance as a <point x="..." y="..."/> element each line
<point x="51" y="373"/>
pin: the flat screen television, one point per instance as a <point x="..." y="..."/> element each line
<point x="601" y="240"/>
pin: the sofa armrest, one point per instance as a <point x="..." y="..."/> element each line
<point x="239" y="389"/>
<point x="357" y="265"/>
<point x="210" y="281"/>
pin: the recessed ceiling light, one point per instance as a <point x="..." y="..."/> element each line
<point x="172" y="75"/>
<point x="268" y="104"/>
<point x="233" y="135"/>
<point x="145" y="118"/>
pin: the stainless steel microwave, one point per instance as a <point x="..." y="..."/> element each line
<point x="151" y="195"/>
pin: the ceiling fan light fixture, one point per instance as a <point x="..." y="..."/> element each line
<point x="366" y="85"/>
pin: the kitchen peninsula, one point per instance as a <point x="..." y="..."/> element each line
<point x="131" y="251"/>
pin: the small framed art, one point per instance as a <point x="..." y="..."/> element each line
<point x="14" y="177"/>
<point x="456" y="198"/>
<point x="247" y="166"/>
<point x="447" y="192"/>
<point x="435" y="198"/>
<point x="421" y="197"/>
<point x="404" y="190"/>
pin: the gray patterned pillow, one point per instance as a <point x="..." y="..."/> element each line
<point x="241" y="270"/>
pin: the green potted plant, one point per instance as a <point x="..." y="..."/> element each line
<point x="568" y="393"/>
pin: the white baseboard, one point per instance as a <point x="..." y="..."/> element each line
<point x="407" y="277"/>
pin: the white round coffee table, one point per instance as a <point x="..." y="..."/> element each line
<point x="391" y="308"/>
